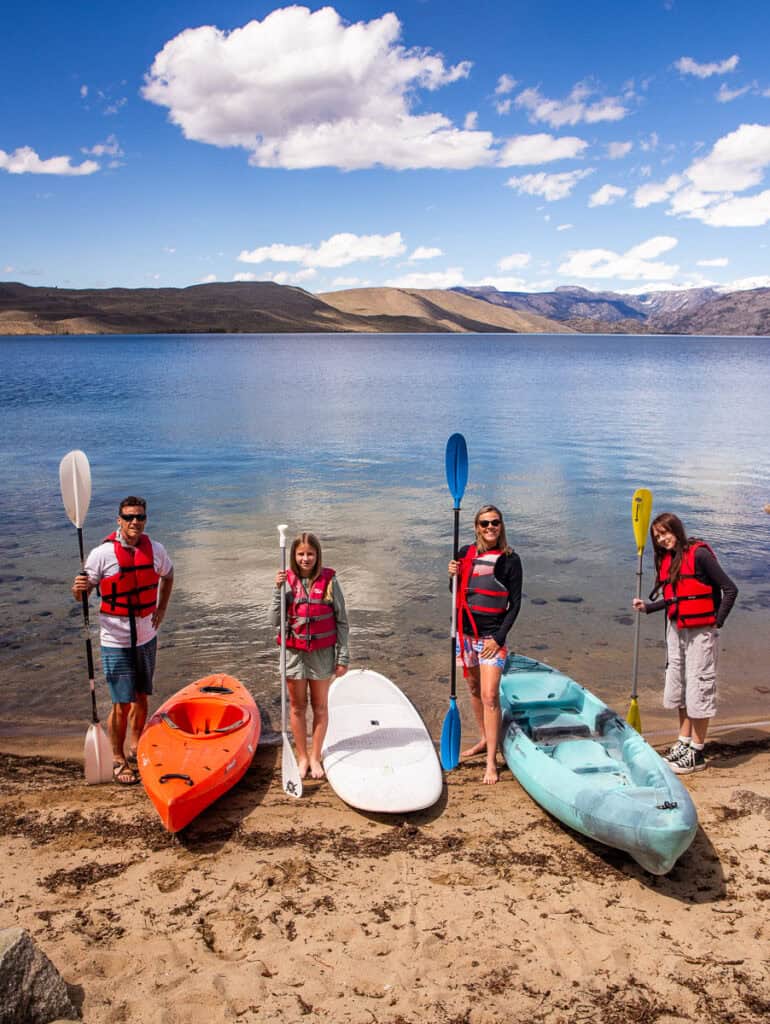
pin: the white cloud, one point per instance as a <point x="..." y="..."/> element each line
<point x="606" y="195"/>
<point x="719" y="261"/>
<point x="572" y="110"/>
<point x="293" y="277"/>
<point x="688" y="66"/>
<point x="83" y="91"/>
<point x="505" y="84"/>
<point x="208" y="279"/>
<point x="26" y="161"/>
<point x="617" y="150"/>
<point x="550" y="186"/>
<point x="423" y="252"/>
<point x="247" y="276"/>
<point x="471" y="120"/>
<point x="516" y="261"/>
<point x="634" y="265"/>
<point x="450" y="278"/>
<point x="540" y="149"/>
<point x="336" y="251"/>
<point x="503" y="106"/>
<point x="746" y="284"/>
<point x="738" y="212"/>
<point x="304" y="89"/>
<point x="110" y="147"/>
<point x="346" y="282"/>
<point x="725" y="94"/>
<point x="736" y="162"/>
<point x="564" y="227"/>
<point x="646" y="195"/>
<point x="169" y="250"/>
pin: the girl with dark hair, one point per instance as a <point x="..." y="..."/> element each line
<point x="488" y="601"/>
<point x="316" y="643"/>
<point x="698" y="596"/>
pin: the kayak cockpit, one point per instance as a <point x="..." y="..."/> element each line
<point x="202" y="718"/>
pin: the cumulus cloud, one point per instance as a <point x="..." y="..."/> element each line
<point x="471" y="120"/>
<point x="688" y="66"/>
<point x="304" y="89"/>
<point x="550" y="186"/>
<point x="606" y="195"/>
<point x="110" y="147"/>
<point x="718" y="261"/>
<point x="576" y="107"/>
<point x="516" y="261"/>
<point x="617" y="150"/>
<point x="336" y="251"/>
<point x="424" y="252"/>
<point x="346" y="282"/>
<point x="505" y="84"/>
<point x="646" y="195"/>
<point x="450" y="278"/>
<point x="540" y="149"/>
<point x="26" y="161"/>
<point x="638" y="263"/>
<point x="744" y="284"/>
<point x="725" y="94"/>
<point x="736" y="162"/>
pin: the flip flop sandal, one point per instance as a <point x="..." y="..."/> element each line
<point x="123" y="774"/>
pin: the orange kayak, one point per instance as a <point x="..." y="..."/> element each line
<point x="197" y="746"/>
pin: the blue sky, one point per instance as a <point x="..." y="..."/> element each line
<point x="621" y="146"/>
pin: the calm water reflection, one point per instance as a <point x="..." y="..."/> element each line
<point x="226" y="436"/>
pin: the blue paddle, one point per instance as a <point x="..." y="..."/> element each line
<point x="457" y="478"/>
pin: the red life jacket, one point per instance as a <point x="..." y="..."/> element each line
<point x="689" y="602"/>
<point x="479" y="590"/>
<point x="133" y="589"/>
<point x="310" y="621"/>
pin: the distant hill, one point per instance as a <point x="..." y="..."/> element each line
<point x="241" y="307"/>
<point x="251" y="307"/>
<point x="692" y="311"/>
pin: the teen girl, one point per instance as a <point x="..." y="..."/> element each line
<point x="697" y="595"/>
<point x="488" y="601"/>
<point x="316" y="643"/>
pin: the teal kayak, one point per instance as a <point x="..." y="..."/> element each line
<point x="587" y="767"/>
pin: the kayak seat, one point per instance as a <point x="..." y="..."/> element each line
<point x="557" y="726"/>
<point x="206" y="717"/>
<point x="584" y="756"/>
<point x="537" y="690"/>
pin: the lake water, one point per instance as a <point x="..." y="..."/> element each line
<point x="226" y="436"/>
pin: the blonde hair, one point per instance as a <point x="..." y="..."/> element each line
<point x="502" y="541"/>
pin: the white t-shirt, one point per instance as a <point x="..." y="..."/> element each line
<point x="116" y="629"/>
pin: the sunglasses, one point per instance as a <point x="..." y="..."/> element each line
<point x="139" y="516"/>
<point x="484" y="523"/>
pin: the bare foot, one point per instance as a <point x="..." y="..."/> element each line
<point x="491" y="775"/>
<point x="303" y="766"/>
<point x="316" y="770"/>
<point x="477" y="748"/>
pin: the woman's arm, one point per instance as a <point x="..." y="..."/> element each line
<point x="510" y="574"/>
<point x="343" y="630"/>
<point x="711" y="572"/>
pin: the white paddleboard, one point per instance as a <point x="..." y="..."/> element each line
<point x="378" y="755"/>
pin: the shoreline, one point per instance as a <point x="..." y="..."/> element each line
<point x="477" y="910"/>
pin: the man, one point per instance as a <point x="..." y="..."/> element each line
<point x="135" y="576"/>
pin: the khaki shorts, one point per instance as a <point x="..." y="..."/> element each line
<point x="691" y="670"/>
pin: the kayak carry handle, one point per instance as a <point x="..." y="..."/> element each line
<point x="233" y="727"/>
<point x="175" y="775"/>
<point x="215" y="689"/>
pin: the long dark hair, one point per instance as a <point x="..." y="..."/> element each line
<point x="502" y="542"/>
<point x="673" y="524"/>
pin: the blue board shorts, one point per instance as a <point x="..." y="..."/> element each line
<point x="123" y="681"/>
<point x="471" y="656"/>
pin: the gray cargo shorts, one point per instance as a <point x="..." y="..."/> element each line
<point x="691" y="670"/>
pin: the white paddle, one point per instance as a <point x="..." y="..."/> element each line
<point x="290" y="777"/>
<point x="75" y="480"/>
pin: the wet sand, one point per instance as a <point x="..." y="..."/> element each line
<point x="480" y="910"/>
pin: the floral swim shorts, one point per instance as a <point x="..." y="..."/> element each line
<point x="471" y="655"/>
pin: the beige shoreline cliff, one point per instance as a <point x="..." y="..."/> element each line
<point x="480" y="910"/>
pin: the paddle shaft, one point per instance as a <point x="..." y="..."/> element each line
<point x="87" y="625"/>
<point x="453" y="636"/>
<point x="637" y="628"/>
<point x="283" y="643"/>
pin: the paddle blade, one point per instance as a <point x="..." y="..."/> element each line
<point x="641" y="510"/>
<point x="633" y="717"/>
<point x="290" y="777"/>
<point x="450" y="738"/>
<point x="456" y="467"/>
<point x="75" y="481"/>
<point x="97" y="752"/>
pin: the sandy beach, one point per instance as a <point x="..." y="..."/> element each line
<point x="479" y="910"/>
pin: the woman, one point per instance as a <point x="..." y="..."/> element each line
<point x="488" y="600"/>
<point x="698" y="596"/>
<point x="316" y="643"/>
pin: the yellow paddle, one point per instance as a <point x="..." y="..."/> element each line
<point x="641" y="510"/>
